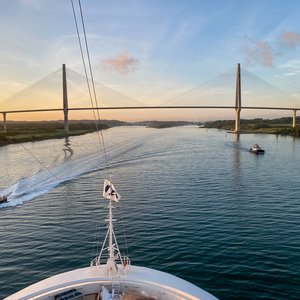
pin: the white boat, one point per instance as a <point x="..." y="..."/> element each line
<point x="3" y="199"/>
<point x="111" y="275"/>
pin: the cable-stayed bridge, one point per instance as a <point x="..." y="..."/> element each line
<point x="58" y="90"/>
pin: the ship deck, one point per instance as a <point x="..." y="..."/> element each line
<point x="144" y="282"/>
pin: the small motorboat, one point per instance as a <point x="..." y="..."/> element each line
<point x="256" y="149"/>
<point x="3" y="199"/>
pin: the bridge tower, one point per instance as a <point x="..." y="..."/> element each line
<point x="4" y="122"/>
<point x="65" y="99"/>
<point x="238" y="105"/>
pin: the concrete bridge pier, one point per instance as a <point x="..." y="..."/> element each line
<point x="238" y="99"/>
<point x="4" y="122"/>
<point x="65" y="99"/>
<point x="294" y="118"/>
<point x="237" y="120"/>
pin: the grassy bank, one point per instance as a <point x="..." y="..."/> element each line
<point x="29" y="131"/>
<point x="167" y="124"/>
<point x="281" y="126"/>
<point x="20" y="132"/>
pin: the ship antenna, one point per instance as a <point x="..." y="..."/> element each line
<point x="110" y="243"/>
<point x="111" y="266"/>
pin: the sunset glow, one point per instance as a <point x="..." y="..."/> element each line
<point x="149" y="53"/>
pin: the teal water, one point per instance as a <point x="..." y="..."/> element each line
<point x="195" y="203"/>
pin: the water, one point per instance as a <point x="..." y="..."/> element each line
<point x="195" y="203"/>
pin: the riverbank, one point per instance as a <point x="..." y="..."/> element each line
<point x="28" y="131"/>
<point x="6" y="139"/>
<point x="21" y="132"/>
<point x="281" y="126"/>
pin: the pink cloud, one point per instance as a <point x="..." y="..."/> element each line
<point x="289" y="39"/>
<point x="259" y="52"/>
<point x="121" y="63"/>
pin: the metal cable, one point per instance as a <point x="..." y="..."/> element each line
<point x="94" y="90"/>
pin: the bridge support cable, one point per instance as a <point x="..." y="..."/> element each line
<point x="90" y="82"/>
<point x="238" y="105"/>
<point x="65" y="99"/>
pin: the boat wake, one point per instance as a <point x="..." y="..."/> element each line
<point x="28" y="188"/>
<point x="236" y="146"/>
<point x="120" y="154"/>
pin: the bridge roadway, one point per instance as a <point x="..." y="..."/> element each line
<point x="66" y="110"/>
<point x="149" y="107"/>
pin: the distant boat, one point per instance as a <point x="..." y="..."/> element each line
<point x="3" y="199"/>
<point x="257" y="149"/>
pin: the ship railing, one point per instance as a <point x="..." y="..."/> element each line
<point x="95" y="262"/>
<point x="124" y="261"/>
<point x="99" y="261"/>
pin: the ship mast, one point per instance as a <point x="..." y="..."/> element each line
<point x="110" y="242"/>
<point x="110" y="193"/>
<point x="111" y="266"/>
<point x="110" y="229"/>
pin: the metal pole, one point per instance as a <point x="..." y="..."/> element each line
<point x="238" y="98"/>
<point x="65" y="99"/>
<point x="111" y="249"/>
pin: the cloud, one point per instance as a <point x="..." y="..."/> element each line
<point x="31" y="3"/>
<point x="289" y="39"/>
<point x="121" y="63"/>
<point x="259" y="52"/>
<point x="291" y="68"/>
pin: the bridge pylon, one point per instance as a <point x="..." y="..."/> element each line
<point x="238" y="105"/>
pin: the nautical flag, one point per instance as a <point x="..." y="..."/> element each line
<point x="109" y="191"/>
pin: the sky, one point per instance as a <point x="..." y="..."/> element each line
<point x="151" y="50"/>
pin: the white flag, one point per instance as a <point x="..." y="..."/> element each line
<point x="109" y="191"/>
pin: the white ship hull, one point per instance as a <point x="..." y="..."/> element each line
<point x="139" y="283"/>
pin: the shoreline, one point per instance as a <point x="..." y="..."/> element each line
<point x="17" y="139"/>
<point x="30" y="131"/>
<point x="22" y="136"/>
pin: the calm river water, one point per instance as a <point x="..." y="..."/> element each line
<point x="195" y="203"/>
